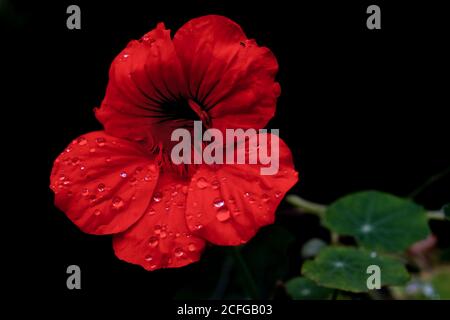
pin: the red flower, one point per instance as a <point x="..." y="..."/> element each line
<point x="119" y="181"/>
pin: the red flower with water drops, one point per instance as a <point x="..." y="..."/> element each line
<point x="121" y="181"/>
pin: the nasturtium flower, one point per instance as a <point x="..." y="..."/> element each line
<point x="121" y="181"/>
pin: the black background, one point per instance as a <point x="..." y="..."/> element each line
<point x="360" y="109"/>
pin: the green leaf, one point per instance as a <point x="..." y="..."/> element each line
<point x="304" y="289"/>
<point x="441" y="284"/>
<point x="345" y="268"/>
<point x="446" y="210"/>
<point x="378" y="220"/>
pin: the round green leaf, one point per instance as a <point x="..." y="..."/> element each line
<point x="345" y="268"/>
<point x="379" y="221"/>
<point x="304" y="289"/>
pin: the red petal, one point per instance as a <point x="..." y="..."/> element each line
<point x="103" y="184"/>
<point x="228" y="74"/>
<point x="161" y="239"/>
<point x="144" y="76"/>
<point x="227" y="204"/>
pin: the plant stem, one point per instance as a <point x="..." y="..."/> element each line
<point x="436" y="215"/>
<point x="246" y="274"/>
<point x="429" y="182"/>
<point x="306" y="206"/>
<point x="318" y="209"/>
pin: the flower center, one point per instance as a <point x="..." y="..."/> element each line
<point x="185" y="109"/>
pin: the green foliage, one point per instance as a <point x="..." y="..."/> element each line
<point x="304" y="289"/>
<point x="345" y="268"/>
<point x="379" y="221"/>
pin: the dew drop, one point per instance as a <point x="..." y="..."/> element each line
<point x="215" y="184"/>
<point x="151" y="211"/>
<point x="179" y="253"/>
<point x="191" y="247"/>
<point x="85" y="192"/>
<point x="163" y="234"/>
<point x="153" y="242"/>
<point x="123" y="174"/>
<point x="265" y="197"/>
<point x="117" y="203"/>
<point x="101" y="187"/>
<point x="202" y="183"/>
<point x="97" y="212"/>
<point x="157" y="197"/>
<point x="148" y="258"/>
<point x="100" y="141"/>
<point x="219" y="203"/>
<point x="223" y="215"/>
<point x="81" y="141"/>
<point x="277" y="194"/>
<point x="75" y="161"/>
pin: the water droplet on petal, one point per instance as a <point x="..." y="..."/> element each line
<point x="192" y="247"/>
<point x="97" y="212"/>
<point x="85" y="192"/>
<point x="179" y="253"/>
<point x="247" y="194"/>
<point x="153" y="242"/>
<point x="223" y="215"/>
<point x="108" y="159"/>
<point x="123" y="174"/>
<point x="100" y="141"/>
<point x="202" y="183"/>
<point x="148" y="258"/>
<point x="215" y="184"/>
<point x="157" y="197"/>
<point x="101" y="187"/>
<point x="163" y="235"/>
<point x="265" y="197"/>
<point x="81" y="141"/>
<point x="75" y="161"/>
<point x="277" y="194"/>
<point x="117" y="203"/>
<point x="219" y="203"/>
